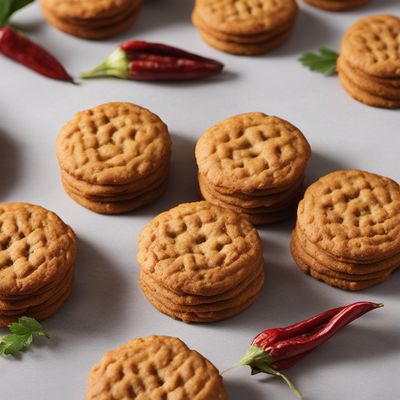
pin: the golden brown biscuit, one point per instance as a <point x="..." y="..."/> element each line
<point x="200" y="249"/>
<point x="193" y="300"/>
<point x="251" y="291"/>
<point x="252" y="152"/>
<point x="370" y="85"/>
<point x="119" y="206"/>
<point x="155" y="367"/>
<point x="94" y="32"/>
<point x="343" y="268"/>
<point x="352" y="215"/>
<point x="371" y="45"/>
<point x="114" y="143"/>
<point x="246" y="17"/>
<point x="36" y="247"/>
<point x="88" y="9"/>
<point x="363" y="96"/>
<point x="248" y="49"/>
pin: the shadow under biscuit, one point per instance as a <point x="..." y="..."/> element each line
<point x="379" y="5"/>
<point x="97" y="297"/>
<point x="321" y="164"/>
<point x="10" y="161"/>
<point x="182" y="186"/>
<point x="304" y="37"/>
<point x="158" y="15"/>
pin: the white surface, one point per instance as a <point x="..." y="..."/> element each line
<point x="107" y="307"/>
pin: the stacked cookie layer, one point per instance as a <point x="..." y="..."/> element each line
<point x="369" y="62"/>
<point x="253" y="164"/>
<point x="114" y="158"/>
<point x="244" y="27"/>
<point x="155" y="367"/>
<point x="337" y="5"/>
<point x="200" y="263"/>
<point x="348" y="229"/>
<point x="37" y="256"/>
<point x="91" y="19"/>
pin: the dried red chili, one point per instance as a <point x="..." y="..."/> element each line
<point x="275" y="350"/>
<point x="19" y="48"/>
<point x="139" y="60"/>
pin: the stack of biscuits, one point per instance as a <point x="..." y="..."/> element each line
<point x="114" y="158"/>
<point x="37" y="256"/>
<point x="200" y="263"/>
<point x="337" y="5"/>
<point x="155" y="367"/>
<point x="348" y="229"/>
<point x="253" y="164"/>
<point x="91" y="19"/>
<point x="245" y="27"/>
<point x="369" y="61"/>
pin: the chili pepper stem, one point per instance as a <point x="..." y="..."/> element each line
<point x="115" y="65"/>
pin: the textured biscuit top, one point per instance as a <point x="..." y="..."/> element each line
<point x="251" y="152"/>
<point x="198" y="248"/>
<point x="155" y="368"/>
<point x="114" y="143"/>
<point x="85" y="9"/>
<point x="373" y="45"/>
<point x="35" y="247"/>
<point x="246" y="17"/>
<point x="353" y="215"/>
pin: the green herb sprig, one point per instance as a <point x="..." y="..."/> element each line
<point x="21" y="336"/>
<point x="323" y="61"/>
<point x="9" y="7"/>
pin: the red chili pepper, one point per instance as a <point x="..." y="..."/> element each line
<point x="277" y="349"/>
<point x="19" y="48"/>
<point x="139" y="60"/>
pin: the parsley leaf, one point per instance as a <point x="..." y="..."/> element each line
<point x="21" y="336"/>
<point x="323" y="62"/>
<point x="9" y="7"/>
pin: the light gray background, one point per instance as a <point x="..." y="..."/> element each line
<point x="107" y="307"/>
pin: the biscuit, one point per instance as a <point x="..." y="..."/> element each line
<point x="114" y="158"/>
<point x="365" y="97"/>
<point x="352" y="215"/>
<point x="200" y="317"/>
<point x="370" y="85"/>
<point x="96" y="32"/>
<point x="193" y="300"/>
<point x="250" y="292"/>
<point x="113" y="143"/>
<point x="371" y="45"/>
<point x="87" y="9"/>
<point x="89" y="190"/>
<point x="155" y="367"/>
<point x="245" y="27"/>
<point x="246" y="17"/>
<point x="314" y="263"/>
<point x="119" y="206"/>
<point x="118" y="196"/>
<point x="248" y="49"/>
<point x="274" y="202"/>
<point x="343" y="268"/>
<point x="36" y="246"/>
<point x="252" y="151"/>
<point x="340" y="283"/>
<point x="337" y="5"/>
<point x="347" y="231"/>
<point x="198" y="248"/>
<point x="241" y="39"/>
